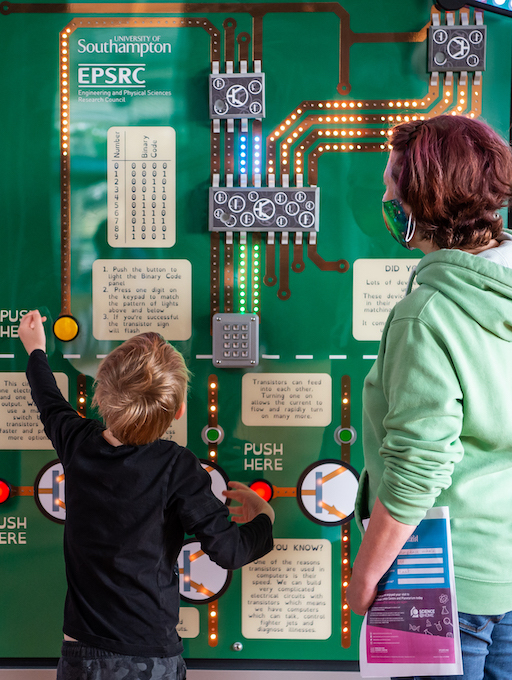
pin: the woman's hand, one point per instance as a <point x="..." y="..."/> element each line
<point x="383" y="540"/>
<point x="359" y="596"/>
<point x="251" y="504"/>
<point x="31" y="331"/>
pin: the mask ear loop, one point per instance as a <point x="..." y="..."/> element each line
<point x="411" y="228"/>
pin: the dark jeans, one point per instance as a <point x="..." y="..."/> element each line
<point x="486" y="648"/>
<point x="80" y="662"/>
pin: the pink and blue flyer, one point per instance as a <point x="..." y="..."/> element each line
<point x="412" y="627"/>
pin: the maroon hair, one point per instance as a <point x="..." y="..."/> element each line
<point x="455" y="173"/>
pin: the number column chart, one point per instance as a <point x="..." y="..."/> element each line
<point x="141" y="187"/>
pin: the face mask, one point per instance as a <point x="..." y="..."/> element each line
<point x="398" y="223"/>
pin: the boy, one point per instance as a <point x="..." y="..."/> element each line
<point x="130" y="498"/>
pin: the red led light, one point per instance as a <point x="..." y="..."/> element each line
<point x="263" y="489"/>
<point x="5" y="491"/>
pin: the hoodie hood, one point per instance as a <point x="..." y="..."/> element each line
<point x="477" y="284"/>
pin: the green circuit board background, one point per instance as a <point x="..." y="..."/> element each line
<point x="300" y="59"/>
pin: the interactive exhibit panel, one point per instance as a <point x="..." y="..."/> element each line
<point x="213" y="172"/>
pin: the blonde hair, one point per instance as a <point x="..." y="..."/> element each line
<point x="139" y="388"/>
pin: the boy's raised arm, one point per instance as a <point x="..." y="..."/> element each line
<point x="31" y="331"/>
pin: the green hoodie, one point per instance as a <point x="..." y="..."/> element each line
<point x="438" y="418"/>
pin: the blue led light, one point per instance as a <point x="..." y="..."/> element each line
<point x="243" y="146"/>
<point x="242" y="170"/>
<point x="243" y="139"/>
<point x="256" y="139"/>
<point x="242" y="162"/>
<point x="243" y="154"/>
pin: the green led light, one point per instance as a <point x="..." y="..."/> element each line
<point x="242" y="278"/>
<point x="242" y="309"/>
<point x="242" y="286"/>
<point x="242" y="271"/>
<point x="242" y="248"/>
<point x="212" y="434"/>
<point x="256" y="270"/>
<point x="256" y="247"/>
<point x="256" y="309"/>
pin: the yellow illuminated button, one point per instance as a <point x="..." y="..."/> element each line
<point x="65" y="328"/>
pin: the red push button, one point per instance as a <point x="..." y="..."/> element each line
<point x="5" y="491"/>
<point x="263" y="489"/>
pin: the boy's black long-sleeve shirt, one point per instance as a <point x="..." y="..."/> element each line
<point x="127" y="510"/>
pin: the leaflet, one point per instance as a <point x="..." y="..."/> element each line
<point x="412" y="627"/>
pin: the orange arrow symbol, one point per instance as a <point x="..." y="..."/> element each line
<point x="332" y="510"/>
<point x="201" y="589"/>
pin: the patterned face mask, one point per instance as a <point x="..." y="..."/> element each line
<point x="400" y="226"/>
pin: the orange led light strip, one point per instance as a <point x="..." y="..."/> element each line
<point x="346" y="571"/>
<point x="81" y="395"/>
<point x="213" y="405"/>
<point x="65" y="114"/>
<point x="213" y="624"/>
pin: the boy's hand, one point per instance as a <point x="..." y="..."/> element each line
<point x="31" y="331"/>
<point x="251" y="504"/>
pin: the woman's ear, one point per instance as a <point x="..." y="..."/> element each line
<point x="180" y="411"/>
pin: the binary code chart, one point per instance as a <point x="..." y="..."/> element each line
<point x="141" y="187"/>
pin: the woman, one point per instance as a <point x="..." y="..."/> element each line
<point x="437" y="403"/>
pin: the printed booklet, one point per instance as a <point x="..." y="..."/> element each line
<point x="412" y="628"/>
